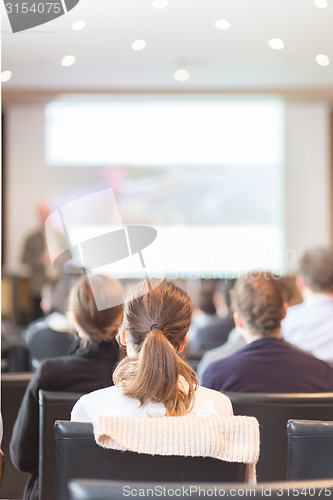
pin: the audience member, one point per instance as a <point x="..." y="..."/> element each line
<point x="88" y="368"/>
<point x="153" y="380"/>
<point x="204" y="312"/>
<point x="309" y="325"/>
<point x="35" y="256"/>
<point x="216" y="331"/>
<point x="267" y="363"/>
<point x="52" y="335"/>
<point x="235" y="339"/>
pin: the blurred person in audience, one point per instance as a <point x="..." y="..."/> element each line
<point x="235" y="339"/>
<point x="89" y="367"/>
<point x="52" y="335"/>
<point x="267" y="363"/>
<point x="204" y="311"/>
<point x="153" y="380"/>
<point x="309" y="325"/>
<point x="216" y="331"/>
<point x="36" y="257"/>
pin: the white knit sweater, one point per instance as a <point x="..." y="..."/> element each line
<point x="231" y="439"/>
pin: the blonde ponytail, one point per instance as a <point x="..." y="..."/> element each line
<point x="155" y="376"/>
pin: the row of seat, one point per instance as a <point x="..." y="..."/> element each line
<point x="78" y="456"/>
<point x="272" y="411"/>
<point x="115" y="490"/>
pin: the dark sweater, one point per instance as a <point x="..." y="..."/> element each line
<point x="269" y="365"/>
<point x="86" y="370"/>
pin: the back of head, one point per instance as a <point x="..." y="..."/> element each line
<point x="316" y="267"/>
<point x="156" y="321"/>
<point x="258" y="299"/>
<point x="205" y="302"/>
<point x="97" y="325"/>
<point x="286" y="288"/>
<point x="224" y="287"/>
<point x="61" y="290"/>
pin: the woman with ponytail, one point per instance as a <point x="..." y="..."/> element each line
<point x="153" y="380"/>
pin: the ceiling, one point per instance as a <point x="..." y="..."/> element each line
<point x="180" y="36"/>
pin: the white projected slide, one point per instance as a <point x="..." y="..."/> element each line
<point x="196" y="252"/>
<point x="163" y="132"/>
<point x="207" y="173"/>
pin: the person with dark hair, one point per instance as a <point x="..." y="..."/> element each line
<point x="267" y="363"/>
<point x="89" y="367"/>
<point x="309" y="325"/>
<point x="216" y="331"/>
<point x="153" y="380"/>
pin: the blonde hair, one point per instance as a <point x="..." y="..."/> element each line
<point x="156" y="321"/>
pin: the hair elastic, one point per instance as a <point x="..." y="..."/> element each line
<point x="155" y="325"/>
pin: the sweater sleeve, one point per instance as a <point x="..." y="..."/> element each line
<point x="24" y="444"/>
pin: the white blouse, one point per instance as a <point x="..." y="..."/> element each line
<point x="111" y="402"/>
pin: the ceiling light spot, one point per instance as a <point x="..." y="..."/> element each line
<point x="320" y="3"/>
<point x="5" y="76"/>
<point x="160" y="4"/>
<point x="276" y="43"/>
<point x="78" y="25"/>
<point x="322" y="60"/>
<point x="222" y="24"/>
<point x="68" y="61"/>
<point x="181" y="75"/>
<point x="139" y="45"/>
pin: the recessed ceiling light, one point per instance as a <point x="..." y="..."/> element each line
<point x="68" y="60"/>
<point x="139" y="45"/>
<point x="276" y="43"/>
<point x="5" y="76"/>
<point x="322" y="60"/>
<point x="160" y="4"/>
<point x="181" y="75"/>
<point x="320" y="3"/>
<point x="78" y="25"/>
<point x="222" y="24"/>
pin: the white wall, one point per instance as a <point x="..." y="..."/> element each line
<point x="307" y="178"/>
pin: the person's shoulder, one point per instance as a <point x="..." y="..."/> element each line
<point x="204" y="392"/>
<point x="52" y="369"/>
<point x="99" y="395"/>
<point x="295" y="311"/>
<point x="107" y="401"/>
<point x="306" y="357"/>
<point x="210" y="397"/>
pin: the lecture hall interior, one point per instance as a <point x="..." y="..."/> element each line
<point x="181" y="140"/>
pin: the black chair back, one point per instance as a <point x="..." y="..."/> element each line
<point x="13" y="386"/>
<point x="79" y="456"/>
<point x="310" y="449"/>
<point x="52" y="406"/>
<point x="117" y="490"/>
<point x="273" y="412"/>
